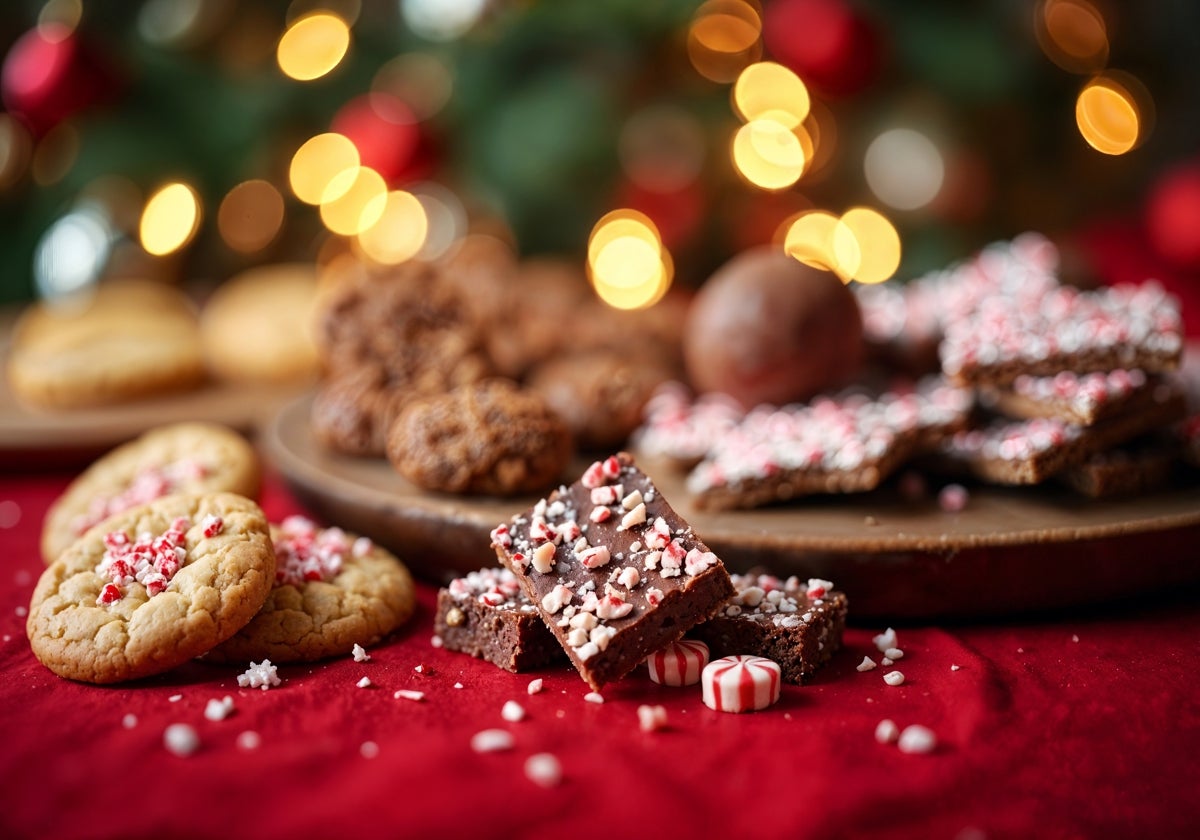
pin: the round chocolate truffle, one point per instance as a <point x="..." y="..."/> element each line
<point x="768" y="329"/>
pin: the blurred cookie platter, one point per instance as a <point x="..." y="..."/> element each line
<point x="1009" y="550"/>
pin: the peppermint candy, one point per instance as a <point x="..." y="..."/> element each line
<point x="679" y="663"/>
<point x="741" y="684"/>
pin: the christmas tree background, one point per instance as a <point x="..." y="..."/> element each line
<point x="526" y="113"/>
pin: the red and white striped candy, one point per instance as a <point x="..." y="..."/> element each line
<point x="679" y="663"/>
<point x="741" y="684"/>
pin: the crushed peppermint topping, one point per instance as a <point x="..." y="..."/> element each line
<point x="916" y="739"/>
<point x="491" y="740"/>
<point x="129" y="720"/>
<point x="365" y="682"/>
<point x="212" y="525"/>
<point x="408" y="694"/>
<point x="359" y="653"/>
<point x="259" y="675"/>
<point x="867" y="664"/>
<point x="886" y="731"/>
<point x="369" y="749"/>
<point x="535" y="686"/>
<point x="543" y="769"/>
<point x="894" y="653"/>
<point x="893" y="678"/>
<point x="151" y="483"/>
<point x="651" y="718"/>
<point x="218" y="709"/>
<point x="594" y="697"/>
<point x="181" y="739"/>
<point x="512" y="711"/>
<point x="494" y="587"/>
<point x="150" y="560"/>
<point x="885" y="640"/>
<point x="248" y="740"/>
<point x="304" y="552"/>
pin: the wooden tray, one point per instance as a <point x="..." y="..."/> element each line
<point x="1011" y="550"/>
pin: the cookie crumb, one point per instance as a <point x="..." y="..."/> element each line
<point x="535" y="686"/>
<point x="893" y="678"/>
<point x="129" y="721"/>
<point x="181" y="739"/>
<point x="651" y="718"/>
<point x="885" y="640"/>
<point x="360" y="654"/>
<point x="365" y="682"/>
<point x="369" y="749"/>
<point x="886" y="731"/>
<point x="408" y="694"/>
<point x="248" y="740"/>
<point x="868" y="664"/>
<point x="262" y="675"/>
<point x="916" y="739"/>
<point x="491" y="740"/>
<point x="218" y="709"/>
<point x="543" y="769"/>
<point x="174" y="698"/>
<point x="594" y="697"/>
<point x="512" y="711"/>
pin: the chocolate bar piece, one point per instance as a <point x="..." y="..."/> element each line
<point x="1121" y="326"/>
<point x="1030" y="451"/>
<point x="486" y="615"/>
<point x="845" y="443"/>
<point x="1082" y="399"/>
<point x="615" y="572"/>
<point x="1139" y="466"/>
<point x="796" y="624"/>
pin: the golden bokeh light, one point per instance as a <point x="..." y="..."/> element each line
<point x="322" y="166"/>
<point x="770" y="91"/>
<point x="866" y="246"/>
<point x="347" y="10"/>
<point x="1108" y="116"/>
<point x="356" y="209"/>
<point x="810" y="239"/>
<point x="627" y="264"/>
<point x="170" y="219"/>
<point x="60" y="13"/>
<point x="400" y="232"/>
<point x="313" y="46"/>
<point x="1072" y="34"/>
<point x="904" y="168"/>
<point x="16" y="150"/>
<point x="250" y="216"/>
<point x="724" y="38"/>
<point x="768" y="155"/>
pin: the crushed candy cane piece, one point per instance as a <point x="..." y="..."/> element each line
<point x="262" y="675"/>
<point x="543" y="769"/>
<point x="886" y="731"/>
<point x="894" y="653"/>
<point x="491" y="740"/>
<point x="248" y="740"/>
<point x="408" y="694"/>
<point x="129" y="721"/>
<point x="181" y="739"/>
<point x="150" y="560"/>
<point x="867" y="664"/>
<point x="885" y="640"/>
<point x="369" y="749"/>
<point x="365" y="682"/>
<point x="594" y="697"/>
<point x="916" y="739"/>
<point x="651" y="718"/>
<point x="512" y="711"/>
<point x="360" y="654"/>
<point x="893" y="678"/>
<point x="304" y="552"/>
<point x="218" y="709"/>
<point x="535" y="686"/>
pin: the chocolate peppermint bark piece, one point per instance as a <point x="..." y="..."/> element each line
<point x="682" y="429"/>
<point x="485" y="614"/>
<point x="845" y="443"/>
<point x="1082" y="399"/>
<point x="797" y="624"/>
<point x="1121" y="326"/>
<point x="1030" y="451"/>
<point x="614" y="571"/>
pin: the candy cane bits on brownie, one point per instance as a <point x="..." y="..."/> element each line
<point x="615" y="572"/>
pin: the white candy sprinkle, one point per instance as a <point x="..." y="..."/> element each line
<point x="218" y="709"/>
<point x="22" y="611"/>
<point x="436" y="641"/>
<point x="458" y="685"/>
<point x="408" y="694"/>
<point x="369" y="749"/>
<point x="651" y="718"/>
<point x="916" y="739"/>
<point x="893" y="678"/>
<point x="868" y="664"/>
<point x="360" y="654"/>
<point x="420" y="669"/>
<point x="535" y="686"/>
<point x="512" y="711"/>
<point x="248" y="740"/>
<point x="886" y="731"/>
<point x="955" y="667"/>
<point x="491" y="740"/>
<point x="365" y="682"/>
<point x="181" y="739"/>
<point x="885" y="640"/>
<point x="1074" y="637"/>
<point x="174" y="698"/>
<point x="259" y="675"/>
<point x="894" y="653"/>
<point x="129" y="721"/>
<point x="886" y="662"/>
<point x="594" y="697"/>
<point x="543" y="769"/>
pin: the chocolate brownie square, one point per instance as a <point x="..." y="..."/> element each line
<point x="797" y="624"/>
<point x="614" y="570"/>
<point x="487" y="615"/>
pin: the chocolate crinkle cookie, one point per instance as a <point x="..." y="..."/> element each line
<point x="488" y="438"/>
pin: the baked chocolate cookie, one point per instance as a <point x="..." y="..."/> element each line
<point x="488" y="438"/>
<point x="333" y="590"/>
<point x="152" y="588"/>
<point x="179" y="458"/>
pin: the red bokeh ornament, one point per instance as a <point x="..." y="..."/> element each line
<point x="388" y="136"/>
<point x="1173" y="215"/>
<point x="826" y="42"/>
<point x="50" y="75"/>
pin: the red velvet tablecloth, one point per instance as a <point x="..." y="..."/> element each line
<point x="1086" y="725"/>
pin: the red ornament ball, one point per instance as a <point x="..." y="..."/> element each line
<point x="768" y="329"/>
<point x="386" y="133"/>
<point x="49" y="75"/>
<point x="1173" y="216"/>
<point x="825" y="42"/>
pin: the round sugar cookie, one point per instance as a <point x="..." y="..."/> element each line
<point x="128" y="339"/>
<point x="179" y="458"/>
<point x="153" y="588"/>
<point x="257" y="326"/>
<point x="333" y="590"/>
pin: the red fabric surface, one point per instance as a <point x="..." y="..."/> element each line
<point x="1041" y="735"/>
